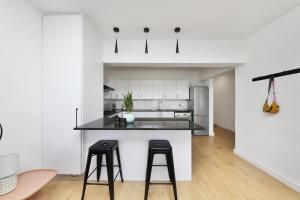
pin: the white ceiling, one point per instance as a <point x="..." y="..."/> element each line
<point x="199" y="19"/>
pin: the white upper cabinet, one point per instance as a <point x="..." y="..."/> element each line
<point x="183" y="89"/>
<point x="122" y="88"/>
<point x="146" y="91"/>
<point x="158" y="89"/>
<point x="134" y="86"/>
<point x="149" y="89"/>
<point x="170" y="90"/>
<point x="141" y="89"/>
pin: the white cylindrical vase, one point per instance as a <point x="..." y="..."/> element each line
<point x="9" y="167"/>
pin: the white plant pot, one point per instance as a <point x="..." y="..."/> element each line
<point x="129" y="117"/>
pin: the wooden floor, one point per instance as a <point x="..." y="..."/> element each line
<point x="217" y="175"/>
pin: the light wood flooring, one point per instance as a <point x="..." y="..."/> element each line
<point x="218" y="174"/>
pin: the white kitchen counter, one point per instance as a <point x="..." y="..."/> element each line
<point x="133" y="146"/>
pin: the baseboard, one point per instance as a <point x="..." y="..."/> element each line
<point x="292" y="184"/>
<point x="232" y="130"/>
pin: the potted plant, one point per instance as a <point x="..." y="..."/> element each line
<point x="128" y="106"/>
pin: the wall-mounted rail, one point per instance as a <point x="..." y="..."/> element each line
<point x="284" y="73"/>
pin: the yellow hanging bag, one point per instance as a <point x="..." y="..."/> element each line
<point x="274" y="107"/>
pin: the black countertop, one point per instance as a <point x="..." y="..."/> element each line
<point x="142" y="124"/>
<point x="162" y="110"/>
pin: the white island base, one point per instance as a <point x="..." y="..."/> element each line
<point x="133" y="146"/>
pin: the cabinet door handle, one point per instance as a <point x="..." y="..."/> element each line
<point x="1" y="131"/>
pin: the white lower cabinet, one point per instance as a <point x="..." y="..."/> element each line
<point x="152" y="115"/>
<point x="140" y="114"/>
<point x="145" y="114"/>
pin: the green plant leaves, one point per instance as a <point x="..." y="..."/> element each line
<point x="127" y="102"/>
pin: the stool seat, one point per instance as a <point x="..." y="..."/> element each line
<point x="104" y="145"/>
<point x="160" y="145"/>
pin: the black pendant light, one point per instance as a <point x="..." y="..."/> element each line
<point x="116" y="30"/>
<point x="146" y="30"/>
<point x="177" y="30"/>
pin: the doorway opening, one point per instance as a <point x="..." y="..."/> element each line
<point x="224" y="104"/>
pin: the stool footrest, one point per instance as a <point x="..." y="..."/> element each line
<point x="106" y="165"/>
<point x="97" y="183"/>
<point x="101" y="183"/>
<point x="102" y="166"/>
<point x="159" y="165"/>
<point x="161" y="183"/>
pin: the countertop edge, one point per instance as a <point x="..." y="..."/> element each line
<point x="110" y="124"/>
<point x="125" y="129"/>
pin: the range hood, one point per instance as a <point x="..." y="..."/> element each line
<point x="107" y="88"/>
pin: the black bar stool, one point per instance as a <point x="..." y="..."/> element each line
<point x="100" y="148"/>
<point x="160" y="147"/>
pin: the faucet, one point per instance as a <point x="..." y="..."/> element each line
<point x="159" y="104"/>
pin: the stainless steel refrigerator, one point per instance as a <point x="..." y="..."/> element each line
<point x="199" y="103"/>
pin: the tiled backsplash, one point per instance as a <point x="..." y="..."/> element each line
<point x="149" y="104"/>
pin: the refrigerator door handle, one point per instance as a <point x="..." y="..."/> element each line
<point x="1" y="131"/>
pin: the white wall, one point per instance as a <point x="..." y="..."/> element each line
<point x="192" y="74"/>
<point x="93" y="104"/>
<point x="224" y="100"/>
<point x="271" y="142"/>
<point x="62" y="92"/>
<point x="20" y="81"/>
<point x="163" y="51"/>
<point x="92" y="72"/>
<point x="72" y="78"/>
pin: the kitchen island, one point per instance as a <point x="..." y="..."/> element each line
<point x="133" y="142"/>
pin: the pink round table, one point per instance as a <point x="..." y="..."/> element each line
<point x="28" y="185"/>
